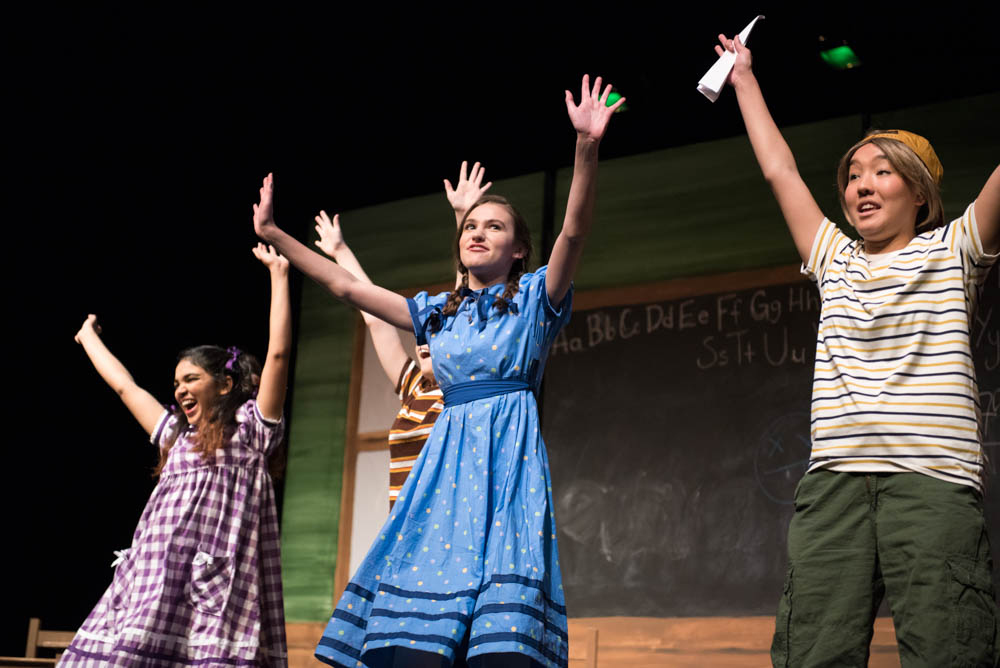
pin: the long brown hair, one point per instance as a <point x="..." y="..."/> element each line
<point x="221" y="364"/>
<point x="522" y="235"/>
<point x="910" y="168"/>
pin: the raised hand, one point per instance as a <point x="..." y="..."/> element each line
<point x="590" y="117"/>
<point x="744" y="61"/>
<point x="469" y="188"/>
<point x="89" y="327"/>
<point x="331" y="239"/>
<point x="263" y="212"/>
<point x="271" y="259"/>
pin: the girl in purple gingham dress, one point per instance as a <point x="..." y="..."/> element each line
<point x="201" y="582"/>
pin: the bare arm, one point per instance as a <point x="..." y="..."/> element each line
<point x="799" y="208"/>
<point x="590" y="120"/>
<point x="143" y="406"/>
<point x="987" y="210"/>
<point x="343" y="285"/>
<point x="388" y="346"/>
<point x="274" y="375"/>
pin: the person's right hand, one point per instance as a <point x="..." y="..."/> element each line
<point x="468" y="191"/>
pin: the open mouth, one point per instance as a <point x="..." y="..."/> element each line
<point x="868" y="207"/>
<point x="189" y="406"/>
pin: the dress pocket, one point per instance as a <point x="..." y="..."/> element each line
<point x="121" y="583"/>
<point x="211" y="582"/>
<point x="975" y="610"/>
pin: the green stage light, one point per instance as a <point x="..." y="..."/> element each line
<point x="614" y="97"/>
<point x="840" y="57"/>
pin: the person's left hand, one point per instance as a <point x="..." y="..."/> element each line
<point x="263" y="212"/>
<point x="590" y="117"/>
<point x="331" y="238"/>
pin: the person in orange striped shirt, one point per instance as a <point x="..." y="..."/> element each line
<point x="418" y="391"/>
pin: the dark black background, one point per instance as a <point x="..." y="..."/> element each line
<point x="135" y="140"/>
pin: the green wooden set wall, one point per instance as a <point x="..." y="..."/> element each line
<point x="687" y="211"/>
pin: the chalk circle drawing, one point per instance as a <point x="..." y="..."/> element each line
<point x="781" y="456"/>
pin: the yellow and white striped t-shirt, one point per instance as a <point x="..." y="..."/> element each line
<point x="422" y="403"/>
<point x="894" y="388"/>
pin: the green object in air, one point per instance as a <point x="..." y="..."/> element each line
<point x="614" y="97"/>
<point x="840" y="57"/>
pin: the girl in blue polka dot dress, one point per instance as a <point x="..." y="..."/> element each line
<point x="466" y="568"/>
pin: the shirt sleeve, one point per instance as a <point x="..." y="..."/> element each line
<point x="258" y="432"/>
<point x="827" y="244"/>
<point x="962" y="237"/>
<point x="164" y="431"/>
<point x="553" y="317"/>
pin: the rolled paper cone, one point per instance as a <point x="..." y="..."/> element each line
<point x="712" y="83"/>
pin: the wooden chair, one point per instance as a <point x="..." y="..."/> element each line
<point x="582" y="646"/>
<point x="39" y="638"/>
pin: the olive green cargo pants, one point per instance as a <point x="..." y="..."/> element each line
<point x="857" y="537"/>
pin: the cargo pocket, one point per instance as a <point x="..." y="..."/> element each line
<point x="782" y="623"/>
<point x="211" y="581"/>
<point x="975" y="614"/>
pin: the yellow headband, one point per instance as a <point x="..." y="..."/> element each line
<point x="918" y="145"/>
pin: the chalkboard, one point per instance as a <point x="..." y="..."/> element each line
<point x="677" y="429"/>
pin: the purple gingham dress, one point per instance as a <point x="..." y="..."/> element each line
<point x="201" y="583"/>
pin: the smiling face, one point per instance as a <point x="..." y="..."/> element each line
<point x="196" y="391"/>
<point x="488" y="245"/>
<point x="880" y="203"/>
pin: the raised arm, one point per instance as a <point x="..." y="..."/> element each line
<point x="143" y="406"/>
<point x="590" y="120"/>
<point x="388" y="346"/>
<point x="799" y="208"/>
<point x="987" y="210"/>
<point x="274" y="375"/>
<point x="380" y="302"/>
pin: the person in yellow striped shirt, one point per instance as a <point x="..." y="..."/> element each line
<point x="892" y="501"/>
<point x="420" y="397"/>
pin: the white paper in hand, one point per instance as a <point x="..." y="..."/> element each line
<point x="711" y="84"/>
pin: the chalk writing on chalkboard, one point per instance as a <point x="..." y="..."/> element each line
<point x="735" y="328"/>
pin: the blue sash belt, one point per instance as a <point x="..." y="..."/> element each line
<point x="463" y="393"/>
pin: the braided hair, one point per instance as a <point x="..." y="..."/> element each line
<point x="219" y="363"/>
<point x="522" y="235"/>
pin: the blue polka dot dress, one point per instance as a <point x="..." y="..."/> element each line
<point x="467" y="562"/>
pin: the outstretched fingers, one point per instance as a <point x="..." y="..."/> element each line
<point x="595" y="94"/>
<point x="269" y="256"/>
